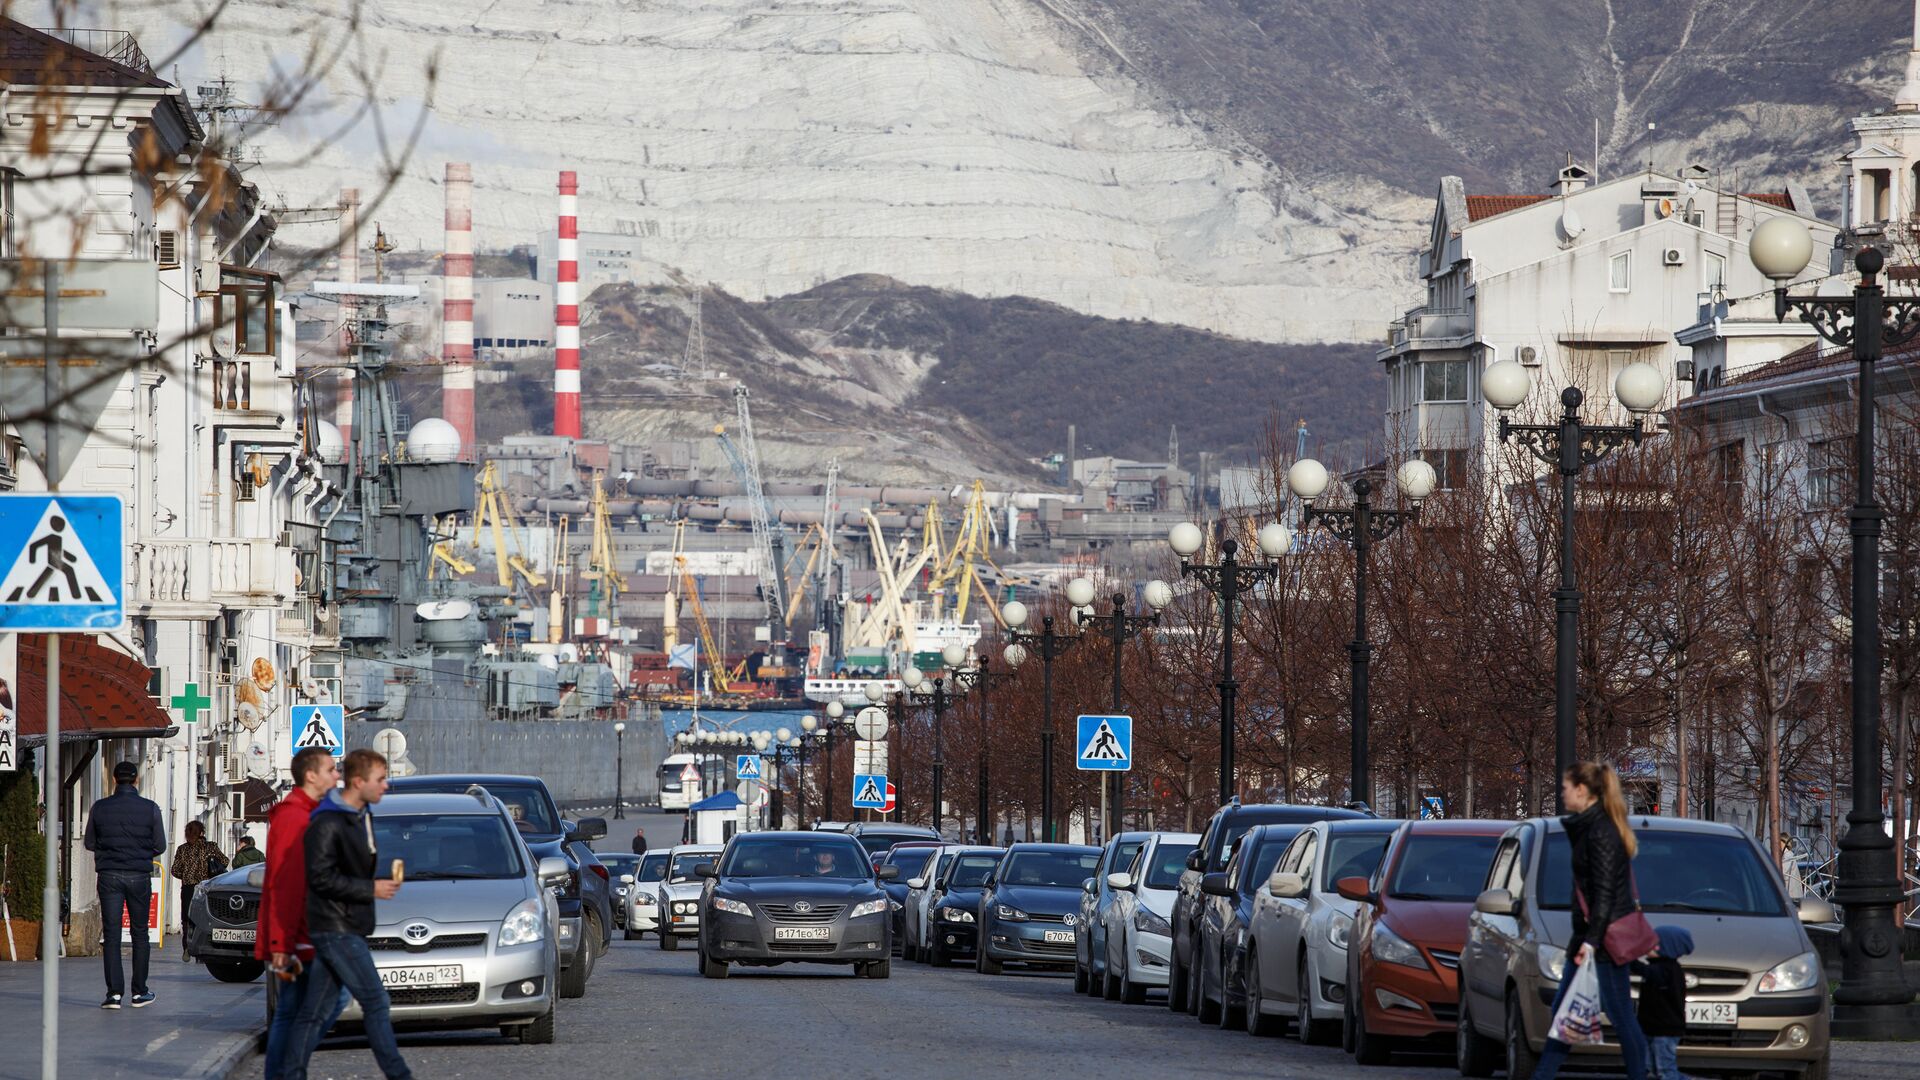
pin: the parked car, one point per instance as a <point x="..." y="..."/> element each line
<point x="1403" y="956"/>
<point x="643" y="895"/>
<point x="1138" y="939"/>
<point x="621" y="866"/>
<point x="679" y="892"/>
<point x="921" y="888"/>
<point x="1210" y="857"/>
<point x="794" y="897"/>
<point x="909" y="859"/>
<point x="1029" y="905"/>
<point x="225" y="911"/>
<point x="1219" y="968"/>
<point x="1756" y="997"/>
<point x="1096" y="897"/>
<point x="586" y="898"/>
<point x="1297" y="947"/>
<point x="954" y="905"/>
<point x="878" y="836"/>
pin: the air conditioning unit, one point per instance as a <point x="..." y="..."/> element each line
<point x="1529" y="356"/>
<point x="166" y="249"/>
<point x="1683" y="370"/>
<point x="1673" y="257"/>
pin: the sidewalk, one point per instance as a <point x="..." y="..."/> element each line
<point x="196" y="1028"/>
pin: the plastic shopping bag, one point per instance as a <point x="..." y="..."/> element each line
<point x="1577" y="1021"/>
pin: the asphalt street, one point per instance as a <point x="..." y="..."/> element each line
<point x="649" y="1012"/>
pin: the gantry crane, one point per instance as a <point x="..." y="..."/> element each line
<point x="494" y="514"/>
<point x="603" y="599"/>
<point x="767" y="534"/>
<point x="687" y="592"/>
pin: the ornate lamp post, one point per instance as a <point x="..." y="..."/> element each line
<point x="1570" y="445"/>
<point x="1873" y="1000"/>
<point x="782" y="747"/>
<point x="1118" y="628"/>
<point x="1052" y="646"/>
<point x="952" y="656"/>
<point x="620" y="769"/>
<point x="967" y="678"/>
<point x="1227" y="579"/>
<point x="1361" y="526"/>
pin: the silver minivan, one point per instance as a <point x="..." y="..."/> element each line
<point x="1756" y="992"/>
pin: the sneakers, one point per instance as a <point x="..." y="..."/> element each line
<point x="142" y="999"/>
<point x="112" y="1002"/>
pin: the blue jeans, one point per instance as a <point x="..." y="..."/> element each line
<point x="344" y="960"/>
<point x="286" y="1010"/>
<point x="1666" y="1057"/>
<point x="1616" y="1000"/>
<point x="133" y="894"/>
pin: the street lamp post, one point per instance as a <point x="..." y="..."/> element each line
<point x="781" y="746"/>
<point x="1361" y="526"/>
<point x="967" y="678"/>
<point x="620" y="769"/>
<point x="1873" y="1000"/>
<point x="1570" y="445"/>
<point x="952" y="656"/>
<point x="1052" y="647"/>
<point x="1118" y="628"/>
<point x="1227" y="579"/>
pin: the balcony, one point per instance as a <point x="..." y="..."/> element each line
<point x="1443" y="326"/>
<point x="192" y="578"/>
<point x="232" y="384"/>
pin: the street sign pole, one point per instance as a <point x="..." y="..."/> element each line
<point x="50" y="760"/>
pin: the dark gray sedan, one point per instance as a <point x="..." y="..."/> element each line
<point x="786" y="897"/>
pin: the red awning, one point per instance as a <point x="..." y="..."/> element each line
<point x="103" y="693"/>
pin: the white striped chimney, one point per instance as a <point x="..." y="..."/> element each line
<point x="456" y="322"/>
<point x="566" y="313"/>
<point x="349" y="273"/>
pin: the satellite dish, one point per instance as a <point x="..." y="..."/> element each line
<point x="1666" y="208"/>
<point x="1570" y="223"/>
<point x="444" y="610"/>
<point x="433" y="440"/>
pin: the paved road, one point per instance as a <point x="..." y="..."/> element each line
<point x="648" y="1013"/>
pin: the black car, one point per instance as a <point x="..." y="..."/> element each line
<point x="225" y="911"/>
<point x="1216" y="844"/>
<point x="1029" y="905"/>
<point x="909" y="860"/>
<point x="879" y="836"/>
<point x="953" y="911"/>
<point x="586" y="902"/>
<point x="1227" y="919"/>
<point x="795" y="897"/>
<point x="620" y="865"/>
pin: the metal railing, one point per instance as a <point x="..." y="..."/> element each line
<point x="118" y="46"/>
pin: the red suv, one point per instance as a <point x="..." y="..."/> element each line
<point x="1403" y="961"/>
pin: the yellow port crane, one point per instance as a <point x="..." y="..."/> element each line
<point x="603" y="599"/>
<point x="494" y="516"/>
<point x="687" y="592"/>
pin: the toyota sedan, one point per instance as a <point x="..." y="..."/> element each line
<point x="795" y="897"/>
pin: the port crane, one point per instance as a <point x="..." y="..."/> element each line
<point x="768" y="537"/>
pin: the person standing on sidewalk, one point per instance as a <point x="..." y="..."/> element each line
<point x="639" y="841"/>
<point x="125" y="834"/>
<point x="194" y="861"/>
<point x="341" y="889"/>
<point x="245" y="853"/>
<point x="282" y="938"/>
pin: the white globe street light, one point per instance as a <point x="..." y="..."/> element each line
<point x="1275" y="540"/>
<point x="1505" y="385"/>
<point x="1308" y="479"/>
<point x="1158" y="594"/>
<point x="912" y="678"/>
<point x="785" y="734"/>
<point x="1417" y="479"/>
<point x="1080" y="592"/>
<point x="1640" y="387"/>
<point x="1780" y="248"/>
<point x="1014" y="655"/>
<point x="1014" y="613"/>
<point x="1186" y="539"/>
<point x="955" y="655"/>
<point x="808" y="723"/>
<point x="836" y="710"/>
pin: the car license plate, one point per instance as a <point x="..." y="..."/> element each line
<point x="1713" y="1012"/>
<point x="802" y="933"/>
<point x="1059" y="937"/>
<point x="232" y="935"/>
<point x="425" y="977"/>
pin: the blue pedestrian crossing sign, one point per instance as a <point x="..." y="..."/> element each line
<point x="870" y="791"/>
<point x="1105" y="743"/>
<point x="746" y="766"/>
<point x="1432" y="809"/>
<point x="324" y="726"/>
<point x="62" y="563"/>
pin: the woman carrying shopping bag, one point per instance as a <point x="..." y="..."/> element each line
<point x="1609" y="932"/>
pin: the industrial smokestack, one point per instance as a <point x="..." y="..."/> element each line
<point x="349" y="273"/>
<point x="566" y="313"/>
<point x="456" y="322"/>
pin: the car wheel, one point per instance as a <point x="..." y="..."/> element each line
<point x="1096" y="980"/>
<point x="1370" y="1049"/>
<point x="669" y="941"/>
<point x="936" y="957"/>
<point x="1080" y="977"/>
<point x="1473" y="1053"/>
<point x="1259" y="1024"/>
<point x="1311" y="1032"/>
<point x="1204" y="1008"/>
<point x="540" y="1032"/>
<point x="235" y="971"/>
<point x="1817" y="1070"/>
<point x="1521" y="1060"/>
<point x="984" y="964"/>
<point x="630" y="934"/>
<point x="712" y="969"/>
<point x="1109" y="984"/>
<point x="1176" y="981"/>
<point x="1131" y="993"/>
<point x="1230" y="1017"/>
<point x="573" y="977"/>
<point x="879" y="969"/>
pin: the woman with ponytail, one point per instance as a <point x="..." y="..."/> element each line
<point x="1602" y="850"/>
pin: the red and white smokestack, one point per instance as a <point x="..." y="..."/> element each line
<point x="456" y="321"/>
<point x="566" y="313"/>
<point x="349" y="272"/>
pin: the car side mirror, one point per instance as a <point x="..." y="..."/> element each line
<point x="1288" y="886"/>
<point x="1086" y="886"/>
<point x="887" y="873"/>
<point x="1816" y="909"/>
<point x="1120" y="881"/>
<point x="593" y="828"/>
<point x="626" y="879"/>
<point x="1194" y="860"/>
<point x="1496" y="902"/>
<point x="706" y="870"/>
<point x="1215" y="885"/>
<point x="553" y="871"/>
<point x="987" y="882"/>
<point x="1355" y="889"/>
<point x="257" y="877"/>
<point x="917" y="883"/>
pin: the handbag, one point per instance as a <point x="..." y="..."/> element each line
<point x="1630" y="936"/>
<point x="1577" y="1021"/>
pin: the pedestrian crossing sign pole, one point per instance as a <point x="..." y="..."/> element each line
<point x="1105" y="744"/>
<point x="324" y="726"/>
<point x="746" y="767"/>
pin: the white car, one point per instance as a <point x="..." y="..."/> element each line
<point x="679" y="892"/>
<point x="1137" y="935"/>
<point x="643" y="895"/>
<point x="1299" y="928"/>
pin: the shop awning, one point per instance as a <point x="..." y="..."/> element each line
<point x="103" y="693"/>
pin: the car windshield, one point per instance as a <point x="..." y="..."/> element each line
<point x="532" y="811"/>
<point x="1679" y="871"/>
<point x="1265" y="858"/>
<point x="442" y="846"/>
<point x="971" y="871"/>
<point x="1062" y="868"/>
<point x="684" y="863"/>
<point x="652" y="868"/>
<point x="618" y="864"/>
<point x="1123" y="855"/>
<point x="812" y="857"/>
<point x="1168" y="861"/>
<point x="1442" y="866"/>
<point x="911" y="861"/>
<point x="1353" y="856"/>
<point x="878" y="843"/>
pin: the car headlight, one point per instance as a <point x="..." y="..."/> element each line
<point x="1799" y="973"/>
<point x="1552" y="960"/>
<point x="734" y="906"/>
<point x="620" y="891"/>
<point x="1339" y="930"/>
<point x="1391" y="948"/>
<point x="1011" y="914"/>
<point x="954" y="914"/>
<point x="524" y="925"/>
<point x="685" y="907"/>
<point x="868" y="907"/>
<point x="1148" y="921"/>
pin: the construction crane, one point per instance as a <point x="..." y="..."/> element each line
<point x="603" y="599"/>
<point x="767" y="534"/>
<point x="686" y="592"/>
<point x="495" y="517"/>
<point x="562" y="572"/>
<point x="958" y="567"/>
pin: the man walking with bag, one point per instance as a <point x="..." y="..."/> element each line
<point x="341" y="890"/>
<point x="125" y="834"/>
<point x="282" y="938"/>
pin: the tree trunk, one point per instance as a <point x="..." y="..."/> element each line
<point x="1680" y="763"/>
<point x="1770" y="742"/>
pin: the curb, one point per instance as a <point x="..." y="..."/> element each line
<point x="228" y="1056"/>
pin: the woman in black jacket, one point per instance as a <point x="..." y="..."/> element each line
<point x="1602" y="854"/>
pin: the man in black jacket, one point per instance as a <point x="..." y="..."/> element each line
<point x="125" y="834"/>
<point x="341" y="889"/>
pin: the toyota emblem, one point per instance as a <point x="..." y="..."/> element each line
<point x="236" y="902"/>
<point x="417" y="931"/>
<point x="802" y="907"/>
<point x="1069" y="920"/>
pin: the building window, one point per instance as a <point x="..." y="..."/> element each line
<point x="1729" y="463"/>
<point x="1443" y="380"/>
<point x="1829" y="467"/>
<point x="1879" y="194"/>
<point x="1449" y="468"/>
<point x="1620" y="272"/>
<point x="1714" y="267"/>
<point x="246" y="301"/>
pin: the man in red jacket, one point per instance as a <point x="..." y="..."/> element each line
<point x="281" y="939"/>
